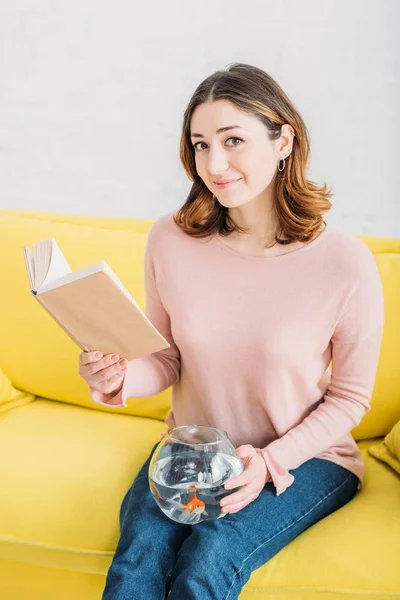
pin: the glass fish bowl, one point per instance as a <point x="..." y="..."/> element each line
<point x="188" y="471"/>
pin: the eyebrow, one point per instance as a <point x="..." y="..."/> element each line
<point x="220" y="130"/>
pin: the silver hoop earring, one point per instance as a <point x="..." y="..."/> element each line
<point x="283" y="165"/>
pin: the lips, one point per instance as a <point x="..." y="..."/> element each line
<point x="222" y="184"/>
<point x="225" y="181"/>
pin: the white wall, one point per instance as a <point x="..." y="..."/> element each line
<point x="92" y="96"/>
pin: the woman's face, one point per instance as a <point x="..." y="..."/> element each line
<point x="244" y="153"/>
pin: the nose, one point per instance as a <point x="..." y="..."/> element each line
<point x="217" y="161"/>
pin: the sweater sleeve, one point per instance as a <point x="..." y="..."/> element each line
<point x="148" y="375"/>
<point x="355" y="346"/>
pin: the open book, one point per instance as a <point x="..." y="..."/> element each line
<point x="91" y="305"/>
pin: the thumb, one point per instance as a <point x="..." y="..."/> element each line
<point x="245" y="450"/>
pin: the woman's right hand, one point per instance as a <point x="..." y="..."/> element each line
<point x="104" y="374"/>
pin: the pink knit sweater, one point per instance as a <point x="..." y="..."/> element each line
<point x="252" y="339"/>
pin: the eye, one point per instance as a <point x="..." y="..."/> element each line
<point x="231" y="138"/>
<point x="235" y="138"/>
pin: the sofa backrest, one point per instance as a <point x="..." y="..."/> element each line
<point x="35" y="353"/>
<point x="40" y="358"/>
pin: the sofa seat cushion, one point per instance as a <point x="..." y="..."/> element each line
<point x="64" y="473"/>
<point x="68" y="469"/>
<point x="353" y="553"/>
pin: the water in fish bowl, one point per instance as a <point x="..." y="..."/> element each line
<point x="188" y="487"/>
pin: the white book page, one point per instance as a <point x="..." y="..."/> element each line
<point x="41" y="264"/>
<point x="30" y="266"/>
<point x="51" y="255"/>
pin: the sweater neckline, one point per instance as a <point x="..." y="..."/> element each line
<point x="296" y="251"/>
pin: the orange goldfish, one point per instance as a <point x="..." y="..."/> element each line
<point x="194" y="502"/>
<point x="192" y="510"/>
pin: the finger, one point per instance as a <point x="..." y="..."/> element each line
<point x="101" y="365"/>
<point x="86" y="358"/>
<point x="246" y="476"/>
<point x="242" y="479"/>
<point x="109" y="374"/>
<point x="232" y="511"/>
<point x="109" y="386"/>
<point x="239" y="505"/>
<point x="119" y="374"/>
<point x="106" y="361"/>
<point x="93" y="367"/>
<point x="245" y="450"/>
<point x="238" y="496"/>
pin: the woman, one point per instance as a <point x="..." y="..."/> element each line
<point x="256" y="295"/>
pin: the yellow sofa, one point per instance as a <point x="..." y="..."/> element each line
<point x="66" y="462"/>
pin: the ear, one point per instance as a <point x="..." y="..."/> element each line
<point x="285" y="141"/>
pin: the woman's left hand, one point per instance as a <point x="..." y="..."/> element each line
<point x="253" y="479"/>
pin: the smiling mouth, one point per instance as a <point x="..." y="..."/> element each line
<point x="228" y="184"/>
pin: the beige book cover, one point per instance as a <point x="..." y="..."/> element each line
<point x="91" y="305"/>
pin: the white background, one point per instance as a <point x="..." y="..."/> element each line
<point x="92" y="96"/>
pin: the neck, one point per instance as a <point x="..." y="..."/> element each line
<point x="259" y="218"/>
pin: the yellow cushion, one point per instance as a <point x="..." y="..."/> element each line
<point x="75" y="466"/>
<point x="66" y="473"/>
<point x="39" y="357"/>
<point x="10" y="397"/>
<point x="389" y="450"/>
<point x="28" y="581"/>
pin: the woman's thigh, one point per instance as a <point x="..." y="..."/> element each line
<point x="218" y="557"/>
<point x="147" y="547"/>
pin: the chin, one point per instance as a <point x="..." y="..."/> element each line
<point x="231" y="203"/>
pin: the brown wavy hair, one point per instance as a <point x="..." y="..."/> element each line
<point x="299" y="203"/>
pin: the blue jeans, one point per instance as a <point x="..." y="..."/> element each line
<point x="212" y="560"/>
